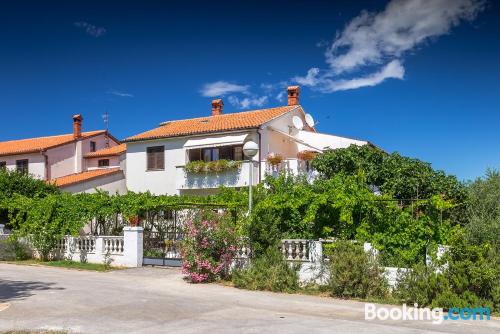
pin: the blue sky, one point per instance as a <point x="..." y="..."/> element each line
<point x="417" y="77"/>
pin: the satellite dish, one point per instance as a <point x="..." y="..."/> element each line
<point x="297" y="122"/>
<point x="310" y="120"/>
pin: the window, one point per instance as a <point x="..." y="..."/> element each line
<point x="92" y="146"/>
<point x="210" y="154"/>
<point x="213" y="154"/>
<point x="238" y="153"/>
<point x="22" y="166"/>
<point x="155" y="158"/>
<point x="3" y="164"/>
<point x="103" y="163"/>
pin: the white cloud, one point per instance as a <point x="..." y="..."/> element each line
<point x="247" y="102"/>
<point x="118" y="93"/>
<point x="392" y="70"/>
<point x="372" y="39"/>
<point x="311" y="78"/>
<point x="280" y="96"/>
<point x="91" y="29"/>
<point x="221" y="88"/>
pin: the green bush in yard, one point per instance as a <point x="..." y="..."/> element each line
<point x="13" y="249"/>
<point x="269" y="272"/>
<point x="469" y="276"/>
<point x="421" y="284"/>
<point x="355" y="273"/>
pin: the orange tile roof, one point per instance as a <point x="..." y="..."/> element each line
<point x="224" y="122"/>
<point x="106" y="152"/>
<point x="83" y="176"/>
<point x="39" y="144"/>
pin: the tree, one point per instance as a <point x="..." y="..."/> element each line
<point x="45" y="221"/>
<point x="13" y="182"/>
<point x="401" y="177"/>
<point x="483" y="210"/>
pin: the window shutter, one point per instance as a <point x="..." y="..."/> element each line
<point x="160" y="159"/>
<point x="151" y="160"/>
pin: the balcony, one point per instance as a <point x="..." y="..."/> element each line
<point x="212" y="180"/>
<point x="293" y="166"/>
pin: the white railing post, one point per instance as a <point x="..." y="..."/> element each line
<point x="315" y="251"/>
<point x="132" y="244"/>
<point x="99" y="245"/>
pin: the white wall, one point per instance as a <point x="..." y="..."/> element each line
<point x="165" y="181"/>
<point x="36" y="163"/>
<point x="139" y="179"/>
<point x="68" y="159"/>
<point x="111" y="183"/>
<point x="93" y="163"/>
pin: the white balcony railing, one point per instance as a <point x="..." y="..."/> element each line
<point x="292" y="165"/>
<point x="240" y="177"/>
<point x="229" y="178"/>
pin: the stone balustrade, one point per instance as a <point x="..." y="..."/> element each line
<point x="123" y="250"/>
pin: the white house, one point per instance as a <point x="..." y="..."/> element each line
<point x="76" y="162"/>
<point x="156" y="159"/>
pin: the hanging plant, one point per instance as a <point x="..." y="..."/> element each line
<point x="306" y="155"/>
<point x="274" y="159"/>
<point x="198" y="167"/>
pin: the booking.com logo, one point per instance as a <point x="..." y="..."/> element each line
<point x="437" y="314"/>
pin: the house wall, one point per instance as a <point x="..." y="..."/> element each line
<point x="36" y="163"/>
<point x="68" y="159"/>
<point x="93" y="163"/>
<point x="111" y="183"/>
<point x="165" y="181"/>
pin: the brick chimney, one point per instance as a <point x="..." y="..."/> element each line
<point x="217" y="107"/>
<point x="293" y="95"/>
<point x="77" y="126"/>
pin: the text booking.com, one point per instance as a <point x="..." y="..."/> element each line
<point x="436" y="315"/>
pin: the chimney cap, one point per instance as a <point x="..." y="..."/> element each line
<point x="216" y="102"/>
<point x="293" y="95"/>
<point x="77" y="117"/>
<point x="217" y="105"/>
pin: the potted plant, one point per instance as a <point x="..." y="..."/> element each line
<point x="306" y="155"/>
<point x="274" y="159"/>
<point x="133" y="220"/>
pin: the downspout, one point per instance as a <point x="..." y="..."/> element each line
<point x="260" y="154"/>
<point x="46" y="160"/>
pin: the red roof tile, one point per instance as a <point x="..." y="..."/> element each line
<point x="107" y="152"/>
<point x="84" y="176"/>
<point x="39" y="144"/>
<point x="225" y="122"/>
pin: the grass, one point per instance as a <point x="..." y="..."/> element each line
<point x="67" y="264"/>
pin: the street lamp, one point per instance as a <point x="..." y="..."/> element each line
<point x="250" y="149"/>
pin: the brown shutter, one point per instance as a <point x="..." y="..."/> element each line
<point x="160" y="159"/>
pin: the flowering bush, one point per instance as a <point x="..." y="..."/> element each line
<point x="209" y="246"/>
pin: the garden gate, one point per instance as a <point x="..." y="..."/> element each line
<point x="163" y="233"/>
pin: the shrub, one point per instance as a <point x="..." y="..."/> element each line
<point x="269" y="272"/>
<point x="469" y="278"/>
<point x="421" y="284"/>
<point x="45" y="221"/>
<point x="209" y="246"/>
<point x="355" y="273"/>
<point x="13" y="249"/>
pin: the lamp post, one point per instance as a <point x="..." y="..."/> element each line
<point x="250" y="149"/>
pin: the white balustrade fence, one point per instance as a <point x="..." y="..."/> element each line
<point x="121" y="251"/>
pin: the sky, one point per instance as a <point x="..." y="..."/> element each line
<point x="420" y="77"/>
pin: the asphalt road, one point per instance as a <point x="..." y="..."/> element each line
<point x="153" y="300"/>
